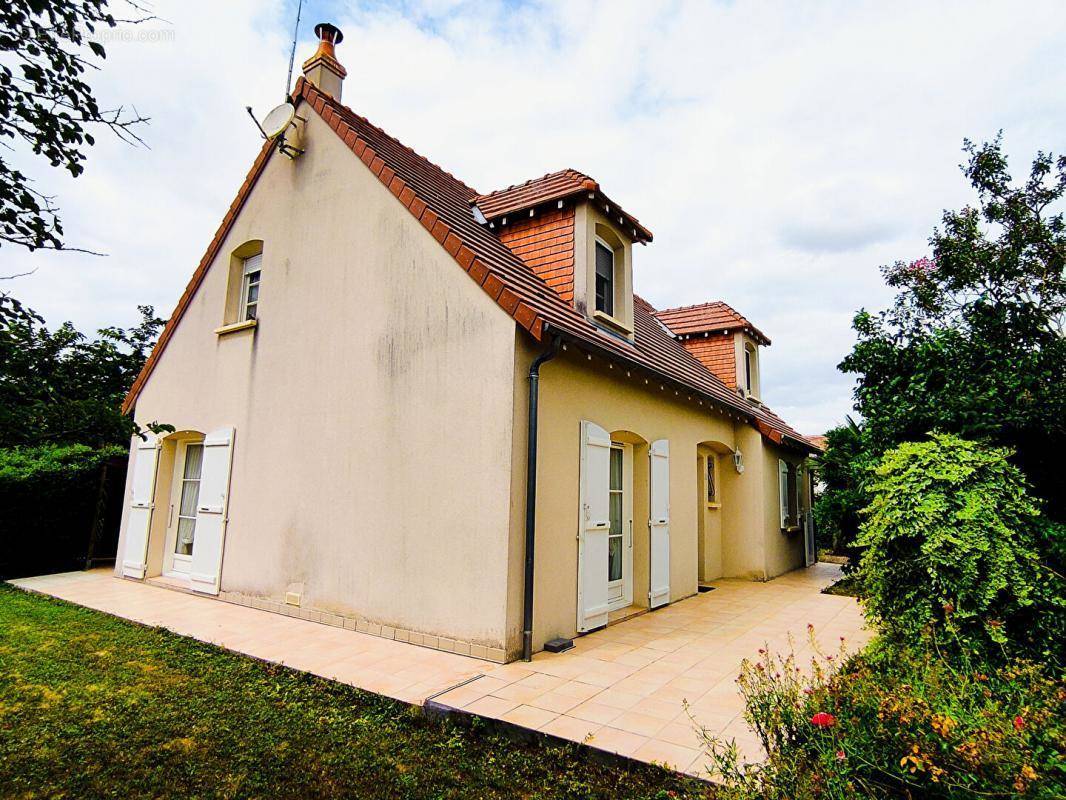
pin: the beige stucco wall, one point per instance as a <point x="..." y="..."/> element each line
<point x="574" y="388"/>
<point x="784" y="551"/>
<point x="372" y="407"/>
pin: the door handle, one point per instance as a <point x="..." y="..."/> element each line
<point x="170" y="516"/>
<point x="630" y="534"/>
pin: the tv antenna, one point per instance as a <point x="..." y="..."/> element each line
<point x="279" y="119"/>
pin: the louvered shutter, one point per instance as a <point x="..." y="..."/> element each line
<point x="594" y="527"/>
<point x="212" y="505"/>
<point x="142" y="503"/>
<point x="659" y="524"/>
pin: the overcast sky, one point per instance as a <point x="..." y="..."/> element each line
<point x="780" y="152"/>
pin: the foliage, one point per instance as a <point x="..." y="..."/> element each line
<point x="27" y="465"/>
<point x="973" y="344"/>
<point x="93" y="706"/>
<point x="841" y="467"/>
<point x="61" y="387"/>
<point x="949" y="549"/>
<point x="894" y="723"/>
<point x="47" y="106"/>
<point x="52" y="495"/>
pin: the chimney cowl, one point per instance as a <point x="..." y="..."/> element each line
<point x="323" y="69"/>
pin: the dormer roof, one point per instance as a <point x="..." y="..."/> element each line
<point x="555" y="186"/>
<point x="710" y="317"/>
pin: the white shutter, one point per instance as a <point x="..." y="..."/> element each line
<point x="145" y="456"/>
<point x="594" y="527"/>
<point x="659" y="525"/>
<point x="206" y="566"/>
<point x="782" y="485"/>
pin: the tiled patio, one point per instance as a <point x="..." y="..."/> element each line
<point x="622" y="689"/>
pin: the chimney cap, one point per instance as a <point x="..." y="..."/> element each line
<point x="328" y="32"/>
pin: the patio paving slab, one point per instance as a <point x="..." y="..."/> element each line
<point x="640" y="688"/>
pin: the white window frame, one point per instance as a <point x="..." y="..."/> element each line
<point x="751" y="369"/>
<point x="614" y="278"/>
<point x="250" y="265"/>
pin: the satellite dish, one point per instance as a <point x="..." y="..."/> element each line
<point x="275" y="123"/>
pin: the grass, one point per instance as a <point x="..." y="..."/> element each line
<point x="845" y="587"/>
<point x="93" y="706"/>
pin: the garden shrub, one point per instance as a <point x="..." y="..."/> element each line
<point x="49" y="496"/>
<point x="897" y="723"/>
<point x="950" y="549"/>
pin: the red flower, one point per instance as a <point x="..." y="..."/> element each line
<point x="840" y="755"/>
<point x="823" y="720"/>
<point x="1019" y="723"/>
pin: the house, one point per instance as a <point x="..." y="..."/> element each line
<point x="415" y="410"/>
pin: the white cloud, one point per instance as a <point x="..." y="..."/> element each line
<point x="780" y="152"/>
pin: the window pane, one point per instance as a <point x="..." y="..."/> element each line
<point x="614" y="558"/>
<point x="604" y="279"/>
<point x="194" y="457"/>
<point x="249" y="312"/>
<point x="186" y="534"/>
<point x="616" y="513"/>
<point x="253" y="293"/>
<point x="710" y="480"/>
<point x="616" y="468"/>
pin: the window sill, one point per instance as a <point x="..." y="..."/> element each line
<point x="607" y="319"/>
<point x="714" y="505"/>
<point x="233" y="327"/>
<point x="791" y="529"/>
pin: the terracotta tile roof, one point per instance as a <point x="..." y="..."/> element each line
<point x="441" y="203"/>
<point x="708" y="318"/>
<point x="554" y="186"/>
<point x="821" y="442"/>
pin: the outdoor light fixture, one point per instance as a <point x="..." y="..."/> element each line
<point x="738" y="461"/>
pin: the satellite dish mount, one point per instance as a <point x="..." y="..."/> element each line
<point x="276" y="124"/>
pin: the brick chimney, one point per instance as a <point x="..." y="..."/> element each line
<point x="323" y="69"/>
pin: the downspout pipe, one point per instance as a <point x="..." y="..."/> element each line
<point x="531" y="495"/>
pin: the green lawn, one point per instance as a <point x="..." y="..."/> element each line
<point x="92" y="706"/>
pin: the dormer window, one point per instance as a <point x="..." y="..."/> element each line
<point x="604" y="279"/>
<point x="749" y="367"/>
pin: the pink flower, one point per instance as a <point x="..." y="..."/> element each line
<point x="840" y="755"/>
<point x="1019" y="723"/>
<point x="823" y="720"/>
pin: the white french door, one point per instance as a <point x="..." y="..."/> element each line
<point x="181" y="530"/>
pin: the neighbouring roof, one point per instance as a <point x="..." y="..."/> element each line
<point x="555" y="186"/>
<point x="708" y="318"/>
<point x="442" y="204"/>
<point x="821" y="442"/>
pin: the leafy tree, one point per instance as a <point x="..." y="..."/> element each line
<point x="60" y="387"/>
<point x="974" y="342"/>
<point x="841" y="468"/>
<point x="46" y="104"/>
<point x="949" y="550"/>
